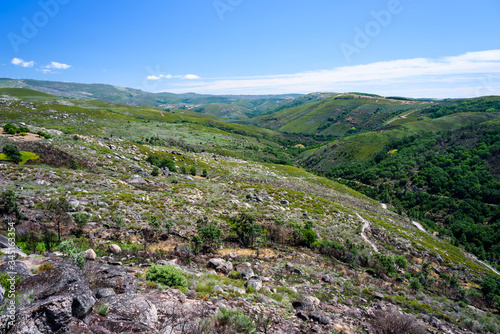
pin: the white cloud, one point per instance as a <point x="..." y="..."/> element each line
<point x="169" y="76"/>
<point x="59" y="66"/>
<point x="191" y="77"/>
<point x="443" y="77"/>
<point x="20" y="62"/>
<point x="44" y="70"/>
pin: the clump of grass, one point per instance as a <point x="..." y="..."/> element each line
<point x="43" y="268"/>
<point x="102" y="309"/>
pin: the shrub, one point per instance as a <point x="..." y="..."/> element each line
<point x="247" y="230"/>
<point x="232" y="322"/>
<point x="155" y="171"/>
<point x="383" y="264"/>
<point x="309" y="237"/>
<point x="167" y="275"/>
<point x="162" y="162"/>
<point x="81" y="219"/>
<point x="69" y="249"/>
<point x="395" y="323"/>
<point x="8" y="203"/>
<point x="204" y="173"/>
<point x="415" y="284"/>
<point x="192" y="171"/>
<point x="211" y="236"/>
<point x="196" y="243"/>
<point x="12" y="151"/>
<point x="183" y="170"/>
<point x="401" y="261"/>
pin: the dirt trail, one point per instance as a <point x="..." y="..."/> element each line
<point x="366" y="224"/>
<point x="469" y="255"/>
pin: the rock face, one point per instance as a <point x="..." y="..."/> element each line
<point x="132" y="306"/>
<point x="5" y="244"/>
<point x="115" y="249"/>
<point x="65" y="280"/>
<point x="18" y="268"/>
<point x="51" y="315"/>
<point x="116" y="278"/>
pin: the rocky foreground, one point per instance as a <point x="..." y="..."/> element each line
<point x="112" y="298"/>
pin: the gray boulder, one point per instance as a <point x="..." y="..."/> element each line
<point x="220" y="265"/>
<point x="133" y="307"/>
<point x="254" y="282"/>
<point x="17" y="268"/>
<point x="50" y="315"/>
<point x="116" y="278"/>
<point x="245" y="269"/>
<point x="64" y="280"/>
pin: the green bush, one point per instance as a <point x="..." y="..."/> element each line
<point x="196" y="243"/>
<point x="415" y="284"/>
<point x="183" y="170"/>
<point x="204" y="173"/>
<point x="81" y="219"/>
<point x="247" y="230"/>
<point x="162" y="162"/>
<point x="384" y="264"/>
<point x="229" y="321"/>
<point x="401" y="261"/>
<point x="155" y="171"/>
<point x="12" y="151"/>
<point x="167" y="275"/>
<point x="8" y="203"/>
<point x="192" y="171"/>
<point x="211" y="236"/>
<point x="309" y="237"/>
<point x="68" y="248"/>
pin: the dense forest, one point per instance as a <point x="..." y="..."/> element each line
<point x="448" y="180"/>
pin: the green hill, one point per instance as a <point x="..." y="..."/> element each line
<point x="338" y="115"/>
<point x="232" y="107"/>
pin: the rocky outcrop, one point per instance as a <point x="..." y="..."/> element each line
<point x="115" y="277"/>
<point x="17" y="268"/>
<point x="65" y="280"/>
<point x="220" y="265"/>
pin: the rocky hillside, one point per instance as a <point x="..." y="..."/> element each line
<point x="145" y="221"/>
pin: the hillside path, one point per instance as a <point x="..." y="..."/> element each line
<point x="366" y="224"/>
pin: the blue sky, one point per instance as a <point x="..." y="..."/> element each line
<point x="417" y="48"/>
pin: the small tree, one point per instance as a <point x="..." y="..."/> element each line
<point x="247" y="230"/>
<point x="183" y="170"/>
<point x="12" y="151"/>
<point x="204" y="173"/>
<point x="211" y="236"/>
<point x="58" y="212"/>
<point x="9" y="205"/>
<point x="192" y="171"/>
<point x="156" y="171"/>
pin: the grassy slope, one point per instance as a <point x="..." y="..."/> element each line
<point x="336" y="115"/>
